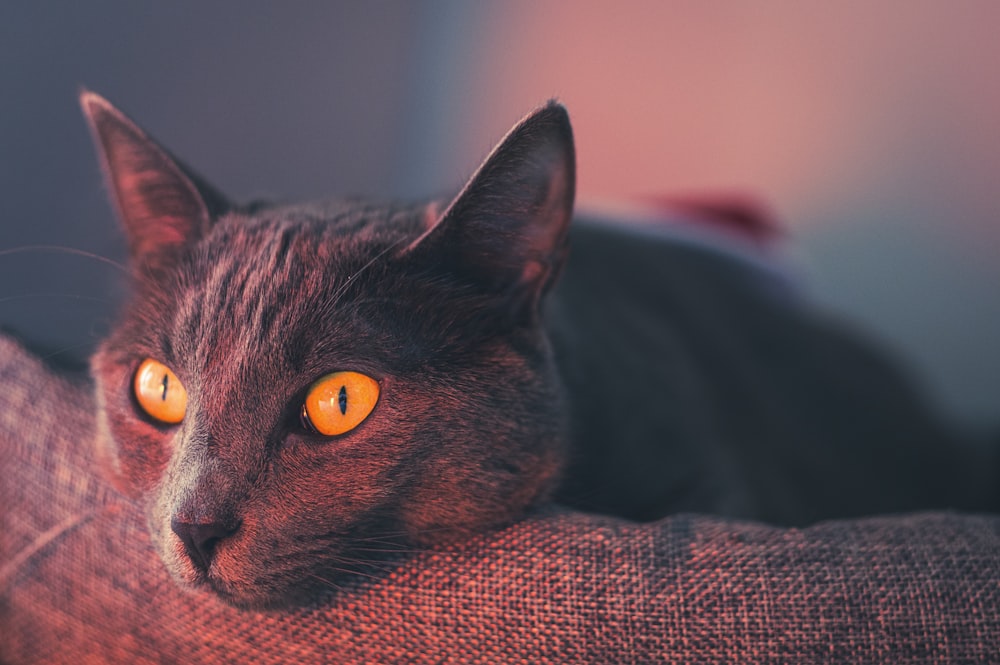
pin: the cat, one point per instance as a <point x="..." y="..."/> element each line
<point x="291" y="387"/>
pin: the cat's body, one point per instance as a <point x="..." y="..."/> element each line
<point x="701" y="383"/>
<point x="498" y="386"/>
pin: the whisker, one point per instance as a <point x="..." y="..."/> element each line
<point x="65" y="349"/>
<point x="60" y="531"/>
<point x="368" y="301"/>
<point x="64" y="250"/>
<point x="74" y="296"/>
<point x="394" y="542"/>
<point x="350" y="279"/>
<point x="390" y="550"/>
<point x="377" y="561"/>
<point x="387" y="536"/>
<point x="378" y="571"/>
<point x="351" y="571"/>
<point x="382" y="534"/>
<point x="388" y="543"/>
<point x="329" y="583"/>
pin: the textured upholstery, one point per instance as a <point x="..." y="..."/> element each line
<point x="80" y="583"/>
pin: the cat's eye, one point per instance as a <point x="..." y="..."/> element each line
<point x="159" y="392"/>
<point x="339" y="402"/>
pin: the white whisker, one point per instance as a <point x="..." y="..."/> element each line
<point x="72" y="296"/>
<point x="64" y="250"/>
<point x="350" y="279"/>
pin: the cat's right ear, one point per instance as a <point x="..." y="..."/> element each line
<point x="506" y="231"/>
<point x="162" y="205"/>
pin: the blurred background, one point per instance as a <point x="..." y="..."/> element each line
<point x="872" y="129"/>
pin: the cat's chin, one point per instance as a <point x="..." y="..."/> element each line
<point x="245" y="574"/>
<point x="256" y="590"/>
<point x="246" y="598"/>
<point x="258" y="602"/>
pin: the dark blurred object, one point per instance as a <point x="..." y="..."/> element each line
<point x="700" y="380"/>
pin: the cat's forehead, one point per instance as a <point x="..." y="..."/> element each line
<point x="356" y="220"/>
<point x="330" y="235"/>
<point x="276" y="280"/>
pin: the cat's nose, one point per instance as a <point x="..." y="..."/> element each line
<point x="201" y="538"/>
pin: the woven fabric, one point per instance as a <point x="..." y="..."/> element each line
<point x="80" y="582"/>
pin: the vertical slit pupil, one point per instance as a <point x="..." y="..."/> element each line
<point x="165" y="381"/>
<point x="342" y="400"/>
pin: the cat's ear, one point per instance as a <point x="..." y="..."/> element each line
<point x="507" y="228"/>
<point x="162" y="205"/>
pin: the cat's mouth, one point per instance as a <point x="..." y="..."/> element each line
<point x="267" y="592"/>
<point x="233" y="587"/>
<point x="239" y="598"/>
<point x="240" y="576"/>
<point x="213" y="568"/>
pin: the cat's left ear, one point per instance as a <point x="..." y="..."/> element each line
<point x="162" y="205"/>
<point x="507" y="229"/>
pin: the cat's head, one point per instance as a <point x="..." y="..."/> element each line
<point x="290" y="387"/>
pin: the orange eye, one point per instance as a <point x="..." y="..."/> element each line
<point x="339" y="402"/>
<point x="159" y="392"/>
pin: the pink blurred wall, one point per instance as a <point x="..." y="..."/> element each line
<point x="872" y="128"/>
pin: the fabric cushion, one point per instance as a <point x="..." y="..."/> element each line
<point x="81" y="583"/>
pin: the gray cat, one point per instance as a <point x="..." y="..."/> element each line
<point x="293" y="388"/>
